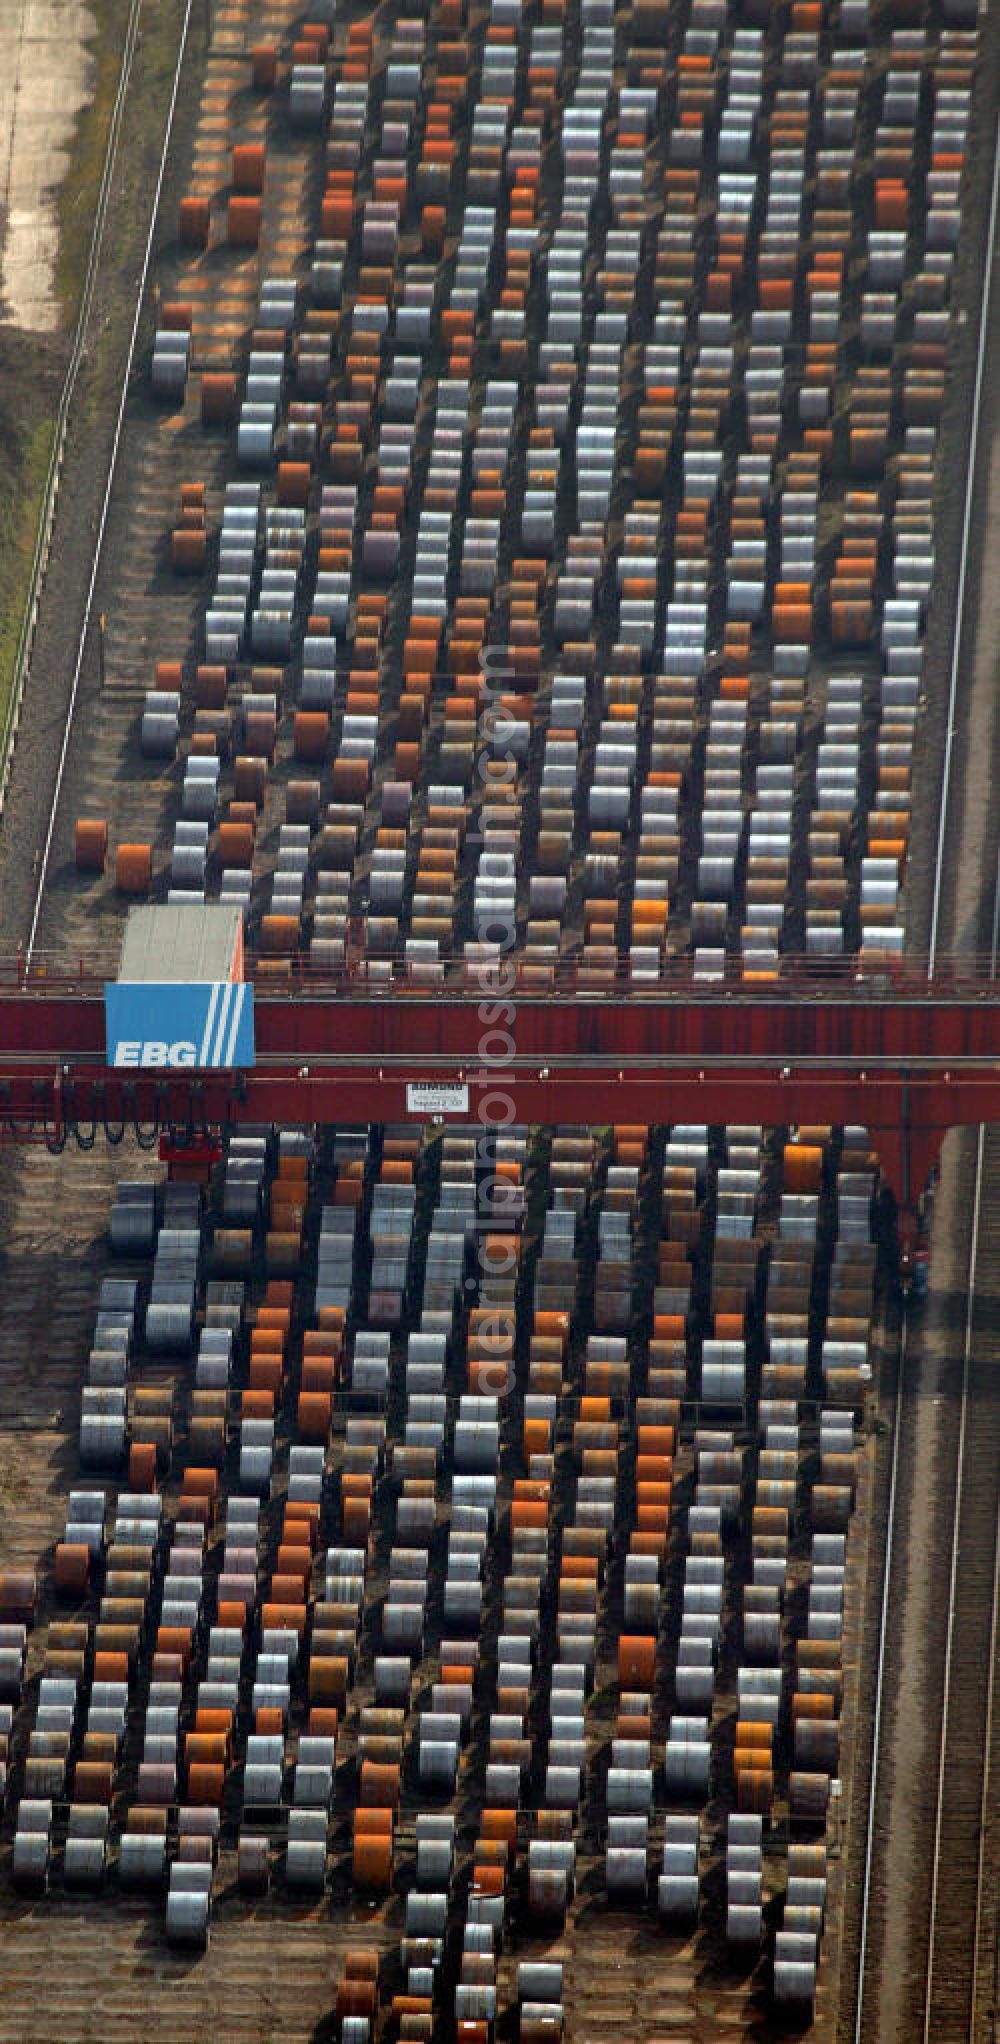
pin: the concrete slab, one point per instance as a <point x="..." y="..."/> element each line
<point x="46" y="77"/>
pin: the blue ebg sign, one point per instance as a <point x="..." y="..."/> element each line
<point x="166" y="1026"/>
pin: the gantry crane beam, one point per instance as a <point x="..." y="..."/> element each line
<point x="906" y="1059"/>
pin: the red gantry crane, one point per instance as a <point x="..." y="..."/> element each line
<point x="901" y="1052"/>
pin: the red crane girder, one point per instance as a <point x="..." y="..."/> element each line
<point x="904" y="1056"/>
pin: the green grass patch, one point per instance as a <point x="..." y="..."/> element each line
<point x="76" y="202"/>
<point x="28" y="396"/>
<point x="32" y="365"/>
<point x="152" y="72"/>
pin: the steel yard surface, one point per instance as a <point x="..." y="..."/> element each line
<point x="443" y="1492"/>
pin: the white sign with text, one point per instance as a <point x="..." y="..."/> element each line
<point x="426" y="1099"/>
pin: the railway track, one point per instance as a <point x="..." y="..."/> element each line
<point x="946" y="1791"/>
<point x="146" y="608"/>
<point x="944" y="1502"/>
<point x="77" y="355"/>
<point x="952" y="2002"/>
